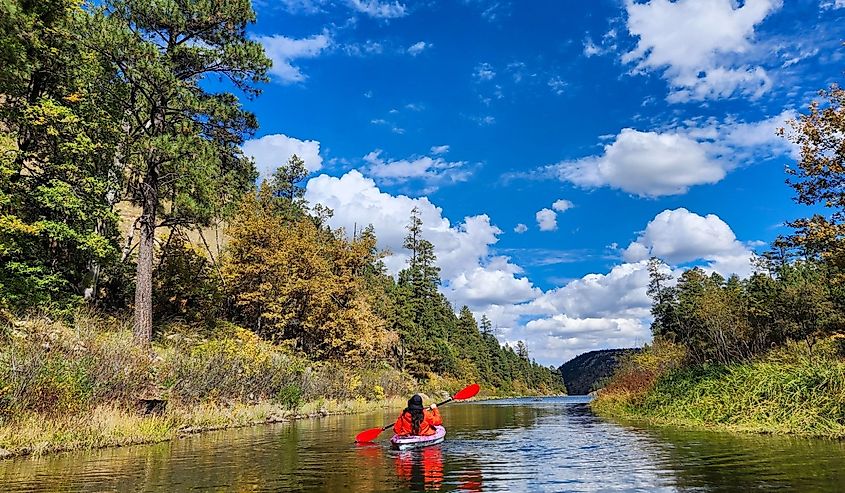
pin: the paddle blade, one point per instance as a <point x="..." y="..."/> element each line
<point x="368" y="435"/>
<point x="467" y="392"/>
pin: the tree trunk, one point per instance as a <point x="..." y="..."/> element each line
<point x="143" y="328"/>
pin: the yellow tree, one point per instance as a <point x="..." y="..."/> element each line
<point x="819" y="179"/>
<point x="293" y="281"/>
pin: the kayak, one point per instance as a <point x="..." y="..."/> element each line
<point x="410" y="442"/>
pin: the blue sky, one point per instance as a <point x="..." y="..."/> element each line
<point x="550" y="145"/>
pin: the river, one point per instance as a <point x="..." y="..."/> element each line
<point x="550" y="444"/>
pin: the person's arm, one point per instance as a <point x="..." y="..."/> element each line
<point x="397" y="426"/>
<point x="433" y="417"/>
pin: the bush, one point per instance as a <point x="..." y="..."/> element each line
<point x="238" y="366"/>
<point x="53" y="368"/>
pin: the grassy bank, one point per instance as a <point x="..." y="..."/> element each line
<point x="789" y="391"/>
<point x="109" y="426"/>
<point x="83" y="385"/>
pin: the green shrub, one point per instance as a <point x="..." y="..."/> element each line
<point x="289" y="396"/>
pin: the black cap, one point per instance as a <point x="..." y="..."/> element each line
<point x="415" y="402"/>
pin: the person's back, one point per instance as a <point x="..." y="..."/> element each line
<point x="417" y="421"/>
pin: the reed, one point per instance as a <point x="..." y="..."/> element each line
<point x="790" y="391"/>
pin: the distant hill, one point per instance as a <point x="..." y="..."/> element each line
<point x="587" y="372"/>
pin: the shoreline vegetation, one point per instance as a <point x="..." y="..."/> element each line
<point x="85" y="384"/>
<point x="787" y="391"/>
<point x="765" y="353"/>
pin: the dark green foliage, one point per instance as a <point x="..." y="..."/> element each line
<point x="187" y="287"/>
<point x="732" y="320"/>
<point x="434" y="340"/>
<point x="589" y="371"/>
<point x="180" y="156"/>
<point x="57" y="177"/>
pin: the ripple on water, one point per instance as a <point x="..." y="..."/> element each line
<point x="510" y="445"/>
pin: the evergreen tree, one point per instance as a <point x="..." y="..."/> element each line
<point x="181" y="151"/>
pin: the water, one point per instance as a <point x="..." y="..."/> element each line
<point x="553" y="444"/>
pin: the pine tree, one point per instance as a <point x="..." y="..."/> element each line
<point x="181" y="155"/>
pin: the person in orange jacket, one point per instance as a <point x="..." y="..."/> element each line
<point x="417" y="421"/>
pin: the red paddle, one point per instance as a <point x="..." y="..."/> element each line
<point x="373" y="433"/>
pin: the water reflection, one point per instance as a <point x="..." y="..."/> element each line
<point x="515" y="445"/>
<point x="421" y="469"/>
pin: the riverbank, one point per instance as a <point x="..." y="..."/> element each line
<point x="789" y="391"/>
<point x="108" y="426"/>
<point x="85" y="385"/>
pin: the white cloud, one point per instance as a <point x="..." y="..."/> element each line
<point x="557" y="85"/>
<point x="393" y="128"/>
<point x="380" y="10"/>
<point x="680" y="236"/>
<point x="590" y="48"/>
<point x="598" y="310"/>
<point x="461" y="249"/>
<point x="621" y="293"/>
<point x="283" y="51"/>
<point x="440" y="149"/>
<point x="520" y="228"/>
<point x="303" y="6"/>
<point x="562" y="205"/>
<point x="654" y="164"/>
<point x="432" y="170"/>
<point x="418" y="47"/>
<point x="546" y="220"/>
<point x="833" y="4"/>
<point x="700" y="46"/>
<point x="646" y="163"/>
<point x="484" y="121"/>
<point x="274" y="150"/>
<point x="495" y="284"/>
<point x="484" y="71"/>
<point x="368" y="47"/>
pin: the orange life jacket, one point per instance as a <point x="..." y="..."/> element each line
<point x="432" y="418"/>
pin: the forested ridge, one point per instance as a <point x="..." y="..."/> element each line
<point x="126" y="199"/>
<point x="766" y="352"/>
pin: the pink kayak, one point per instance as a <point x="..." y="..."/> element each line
<point x="410" y="442"/>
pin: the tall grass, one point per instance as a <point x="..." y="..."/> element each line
<point x="66" y="386"/>
<point x="788" y="391"/>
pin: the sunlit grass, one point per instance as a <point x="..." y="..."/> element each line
<point x="788" y="392"/>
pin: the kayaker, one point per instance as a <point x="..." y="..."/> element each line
<point x="417" y="421"/>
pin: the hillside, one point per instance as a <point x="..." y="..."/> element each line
<point x="586" y="372"/>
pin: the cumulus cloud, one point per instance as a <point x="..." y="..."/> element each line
<point x="495" y="284"/>
<point x="594" y="312"/>
<point x="647" y="164"/>
<point x="283" y="51"/>
<point x="440" y="149"/>
<point x="702" y="47"/>
<point x="471" y="274"/>
<point x="680" y="236"/>
<point x="520" y="228"/>
<point x="546" y="220"/>
<point x="417" y="48"/>
<point x="598" y="310"/>
<point x="274" y="150"/>
<point x="380" y="10"/>
<point x="621" y="293"/>
<point x="433" y="171"/>
<point x="654" y="164"/>
<point x="562" y="205"/>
